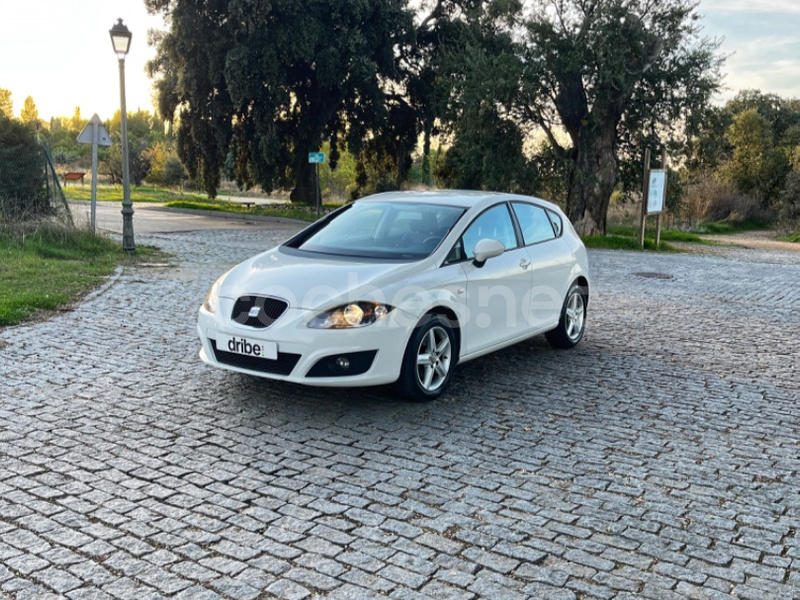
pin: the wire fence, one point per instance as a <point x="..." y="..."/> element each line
<point x="29" y="186"/>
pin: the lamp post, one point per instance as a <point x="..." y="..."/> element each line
<point x="121" y="40"/>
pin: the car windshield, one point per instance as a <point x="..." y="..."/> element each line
<point x="393" y="230"/>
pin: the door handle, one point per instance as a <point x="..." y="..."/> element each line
<point x="524" y="263"/>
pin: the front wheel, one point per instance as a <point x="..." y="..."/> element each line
<point x="428" y="360"/>
<point x="572" y="323"/>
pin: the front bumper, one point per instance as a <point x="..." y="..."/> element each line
<point x="373" y="354"/>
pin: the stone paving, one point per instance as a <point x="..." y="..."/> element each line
<point x="659" y="459"/>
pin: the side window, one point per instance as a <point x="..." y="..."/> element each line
<point x="456" y="253"/>
<point x="534" y="222"/>
<point x="558" y="225"/>
<point x="494" y="224"/>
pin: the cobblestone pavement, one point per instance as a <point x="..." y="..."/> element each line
<point x="659" y="459"/>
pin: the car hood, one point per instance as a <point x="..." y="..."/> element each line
<point x="318" y="282"/>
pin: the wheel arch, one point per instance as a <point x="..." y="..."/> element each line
<point x="455" y="324"/>
<point x="583" y="283"/>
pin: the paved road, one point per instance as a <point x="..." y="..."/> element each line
<point x="659" y="459"/>
<point x="150" y="218"/>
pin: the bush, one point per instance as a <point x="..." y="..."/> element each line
<point x="788" y="205"/>
<point x="23" y="192"/>
<point x="708" y="198"/>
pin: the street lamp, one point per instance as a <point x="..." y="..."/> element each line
<point x="121" y="40"/>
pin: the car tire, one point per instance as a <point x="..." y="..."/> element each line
<point x="425" y="372"/>
<point x="572" y="323"/>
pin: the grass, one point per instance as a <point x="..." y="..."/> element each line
<point x="723" y="228"/>
<point x="621" y="242"/>
<point x="793" y="237"/>
<point x="143" y="193"/>
<point x="667" y="235"/>
<point x="49" y="267"/>
<point x="626" y="237"/>
<point x="285" y="211"/>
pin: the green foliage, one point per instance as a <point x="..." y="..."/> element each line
<point x="48" y="267"/>
<point x="752" y="144"/>
<point x="756" y="166"/>
<point x="165" y="167"/>
<point x="266" y="81"/>
<point x="144" y="132"/>
<point x="466" y="77"/>
<point x="113" y="193"/>
<point x="299" y="213"/>
<point x="22" y="172"/>
<point x="669" y="235"/>
<point x="619" y="76"/>
<point x="618" y="242"/>
<point x="729" y="227"/>
<point x="29" y="113"/>
<point x="6" y="105"/>
<point x="486" y="154"/>
<point x="788" y="204"/>
<point x="64" y="143"/>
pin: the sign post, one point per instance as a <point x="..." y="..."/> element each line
<point x="316" y="158"/>
<point x="95" y="134"/>
<point x="654" y="194"/>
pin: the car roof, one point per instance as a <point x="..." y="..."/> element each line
<point x="460" y="198"/>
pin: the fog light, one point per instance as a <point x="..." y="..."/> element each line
<point x="343" y="363"/>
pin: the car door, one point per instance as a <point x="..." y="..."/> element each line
<point x="551" y="263"/>
<point x="497" y="291"/>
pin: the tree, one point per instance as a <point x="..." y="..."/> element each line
<point x="165" y="166"/>
<point x="143" y="133"/>
<point x="29" y="112"/>
<point x="77" y="123"/>
<point x="266" y="82"/>
<point x="22" y="172"/>
<point x="466" y="79"/>
<point x="779" y="113"/>
<point x="756" y="167"/>
<point x="6" y="106"/>
<point x="616" y="75"/>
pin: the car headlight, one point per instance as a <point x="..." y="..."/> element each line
<point x="211" y="303"/>
<point x="352" y="315"/>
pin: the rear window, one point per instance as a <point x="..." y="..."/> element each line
<point x="535" y="223"/>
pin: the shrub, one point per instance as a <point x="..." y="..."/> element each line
<point x="788" y="205"/>
<point x="23" y="192"/>
<point x="708" y="198"/>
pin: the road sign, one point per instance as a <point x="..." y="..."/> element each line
<point x="87" y="135"/>
<point x="316" y="157"/>
<point x="95" y="134"/>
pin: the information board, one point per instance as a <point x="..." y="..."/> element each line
<point x="656" y="191"/>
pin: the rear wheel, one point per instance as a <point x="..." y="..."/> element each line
<point x="572" y="323"/>
<point x="428" y="360"/>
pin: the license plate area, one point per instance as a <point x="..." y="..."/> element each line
<point x="247" y="347"/>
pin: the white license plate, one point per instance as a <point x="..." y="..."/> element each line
<point x="247" y="347"/>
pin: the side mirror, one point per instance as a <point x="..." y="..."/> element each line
<point x="486" y="249"/>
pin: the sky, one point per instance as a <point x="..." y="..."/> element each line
<point x="59" y="51"/>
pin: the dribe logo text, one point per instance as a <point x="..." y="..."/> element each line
<point x="245" y="347"/>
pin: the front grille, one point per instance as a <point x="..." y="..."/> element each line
<point x="269" y="309"/>
<point x="282" y="366"/>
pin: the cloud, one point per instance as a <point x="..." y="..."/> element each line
<point x="763" y="6"/>
<point x="771" y="64"/>
<point x="760" y="42"/>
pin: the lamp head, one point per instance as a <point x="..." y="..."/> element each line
<point x="120" y="38"/>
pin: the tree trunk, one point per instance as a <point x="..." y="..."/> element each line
<point x="305" y="187"/>
<point x="592" y="181"/>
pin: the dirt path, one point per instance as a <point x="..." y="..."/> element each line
<point x="760" y="240"/>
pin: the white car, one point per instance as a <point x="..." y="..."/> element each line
<point x="400" y="287"/>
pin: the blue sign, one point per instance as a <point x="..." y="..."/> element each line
<point x="316" y="157"/>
